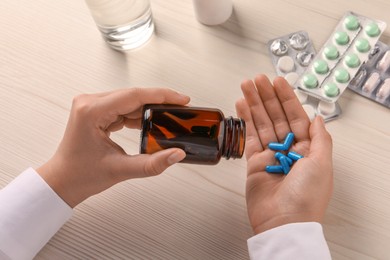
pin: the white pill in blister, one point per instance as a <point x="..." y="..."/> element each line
<point x="384" y="63"/>
<point x="302" y="97"/>
<point x="384" y="90"/>
<point x="371" y="82"/>
<point x="285" y="64"/>
<point x="326" y="108"/>
<point x="291" y="77"/>
<point x="311" y="113"/>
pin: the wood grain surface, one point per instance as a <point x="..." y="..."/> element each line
<point x="51" y="51"/>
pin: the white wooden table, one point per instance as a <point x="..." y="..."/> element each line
<point x="51" y="51"/>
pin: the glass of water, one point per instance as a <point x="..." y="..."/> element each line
<point x="124" y="24"/>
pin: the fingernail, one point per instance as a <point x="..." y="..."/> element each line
<point x="180" y="94"/>
<point x="184" y="96"/>
<point x="176" y="157"/>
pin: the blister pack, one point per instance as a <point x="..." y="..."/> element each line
<point x="313" y="106"/>
<point x="340" y="58"/>
<point x="290" y="55"/>
<point x="373" y="78"/>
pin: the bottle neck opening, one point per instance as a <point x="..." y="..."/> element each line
<point x="234" y="142"/>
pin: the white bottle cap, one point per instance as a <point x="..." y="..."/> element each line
<point x="213" y="12"/>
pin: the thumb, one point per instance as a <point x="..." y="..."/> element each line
<point x="321" y="141"/>
<point x="145" y="165"/>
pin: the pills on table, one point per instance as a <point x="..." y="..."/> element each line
<point x="331" y="52"/>
<point x="341" y="38"/>
<point x="311" y="113"/>
<point x="291" y="77"/>
<point x="352" y="60"/>
<point x="279" y="47"/>
<point x="299" y="40"/>
<point x="372" y="29"/>
<point x="362" y="45"/>
<point x="301" y="51"/>
<point x="304" y="58"/>
<point x="384" y="91"/>
<point x="351" y="22"/>
<point x="345" y="52"/>
<point x="326" y="108"/>
<point x="360" y="76"/>
<point x="331" y="89"/>
<point x="310" y="81"/>
<point x="313" y="106"/>
<point x="341" y="75"/>
<point x="286" y="64"/>
<point x="384" y="62"/>
<point x="371" y="82"/>
<point x="373" y="78"/>
<point x="291" y="54"/>
<point x="320" y="67"/>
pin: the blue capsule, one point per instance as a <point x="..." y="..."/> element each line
<point x="276" y="146"/>
<point x="286" y="162"/>
<point x="278" y="155"/>
<point x="289" y="140"/>
<point x="294" y="156"/>
<point x="285" y="145"/>
<point x="274" y="168"/>
<point x="285" y="165"/>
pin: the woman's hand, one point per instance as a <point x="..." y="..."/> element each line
<point x="88" y="161"/>
<point x="270" y="112"/>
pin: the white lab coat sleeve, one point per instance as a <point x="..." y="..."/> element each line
<point x="291" y="241"/>
<point x="30" y="214"/>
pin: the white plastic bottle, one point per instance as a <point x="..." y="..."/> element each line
<point x="213" y="12"/>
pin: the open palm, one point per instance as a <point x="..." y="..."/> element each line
<point x="270" y="112"/>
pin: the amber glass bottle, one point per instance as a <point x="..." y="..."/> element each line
<point x="203" y="133"/>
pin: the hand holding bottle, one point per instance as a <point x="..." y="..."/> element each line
<point x="87" y="161"/>
<point x="270" y="112"/>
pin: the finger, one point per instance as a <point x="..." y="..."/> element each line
<point x="321" y="143"/>
<point x="129" y="123"/>
<point x="296" y="116"/>
<point x="133" y="123"/>
<point x="261" y="120"/>
<point x="123" y="102"/>
<point x="252" y="141"/>
<point x="146" y="165"/>
<point x="273" y="106"/>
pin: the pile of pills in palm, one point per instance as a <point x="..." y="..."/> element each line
<point x="341" y="57"/>
<point x="285" y="161"/>
<point x="373" y="79"/>
<point x="291" y="54"/>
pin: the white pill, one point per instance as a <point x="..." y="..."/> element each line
<point x="285" y="64"/>
<point x="371" y="83"/>
<point x="384" y="90"/>
<point x="291" y="77"/>
<point x="302" y="97"/>
<point x="384" y="63"/>
<point x="326" y="108"/>
<point x="311" y="113"/>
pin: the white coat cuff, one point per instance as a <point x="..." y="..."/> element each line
<point x="31" y="213"/>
